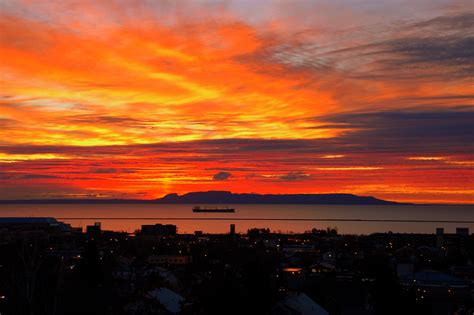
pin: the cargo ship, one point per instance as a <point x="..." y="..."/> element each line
<point x="219" y="210"/>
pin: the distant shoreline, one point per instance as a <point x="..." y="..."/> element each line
<point x="153" y="202"/>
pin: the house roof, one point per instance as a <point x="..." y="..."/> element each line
<point x="170" y="300"/>
<point x="304" y="305"/>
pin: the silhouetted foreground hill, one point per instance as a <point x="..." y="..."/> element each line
<point x="226" y="197"/>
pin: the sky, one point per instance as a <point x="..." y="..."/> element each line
<point x="137" y="99"/>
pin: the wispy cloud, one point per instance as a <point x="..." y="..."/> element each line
<point x="114" y="98"/>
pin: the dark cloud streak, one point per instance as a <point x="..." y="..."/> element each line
<point x="221" y="176"/>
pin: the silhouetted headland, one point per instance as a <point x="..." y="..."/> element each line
<point x="227" y="197"/>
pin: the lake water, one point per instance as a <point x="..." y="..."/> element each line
<point x="285" y="218"/>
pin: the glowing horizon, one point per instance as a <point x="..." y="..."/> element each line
<point x="136" y="100"/>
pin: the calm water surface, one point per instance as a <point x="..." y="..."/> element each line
<point x="257" y="215"/>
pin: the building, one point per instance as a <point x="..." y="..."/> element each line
<point x="462" y="231"/>
<point x="439" y="290"/>
<point x="405" y="270"/>
<point x="36" y="228"/>
<point x="94" y="230"/>
<point x="159" y="229"/>
<point x="33" y="223"/>
<point x="169" y="259"/>
<point x="232" y="230"/>
<point x="463" y="272"/>
<point x="169" y="299"/>
<point x="431" y="278"/>
<point x="298" y="304"/>
<point x="439" y="237"/>
<point x="290" y="250"/>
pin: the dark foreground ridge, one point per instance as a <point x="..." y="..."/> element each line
<point x="227" y="197"/>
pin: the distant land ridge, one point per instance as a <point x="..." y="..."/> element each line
<point x="227" y="197"/>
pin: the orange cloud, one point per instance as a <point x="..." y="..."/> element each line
<point x="164" y="96"/>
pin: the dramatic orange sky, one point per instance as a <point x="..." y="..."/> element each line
<point x="136" y="99"/>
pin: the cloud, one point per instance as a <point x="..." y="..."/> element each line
<point x="7" y="123"/>
<point x="184" y="91"/>
<point x="112" y="170"/>
<point x="103" y="170"/>
<point x="439" y="57"/>
<point x="294" y="176"/>
<point x="22" y="176"/>
<point x="456" y="22"/>
<point x="107" y="120"/>
<point x="440" y="48"/>
<point x="221" y="176"/>
<point x="38" y="176"/>
<point x="414" y="130"/>
<point x="411" y="130"/>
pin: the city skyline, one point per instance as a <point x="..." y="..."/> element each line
<point x="136" y="100"/>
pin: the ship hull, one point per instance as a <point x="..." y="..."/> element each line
<point x="214" y="210"/>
